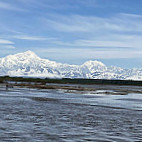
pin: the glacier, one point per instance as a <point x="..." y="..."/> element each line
<point x="28" y="64"/>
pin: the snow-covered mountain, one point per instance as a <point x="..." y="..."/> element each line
<point x="29" y="64"/>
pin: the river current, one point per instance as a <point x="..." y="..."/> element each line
<point x="30" y="115"/>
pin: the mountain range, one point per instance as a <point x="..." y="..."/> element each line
<point x="28" y="64"/>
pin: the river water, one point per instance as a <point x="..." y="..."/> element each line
<point x="54" y="116"/>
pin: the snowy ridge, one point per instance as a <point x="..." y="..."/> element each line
<point x="29" y="64"/>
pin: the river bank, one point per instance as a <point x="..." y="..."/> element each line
<point x="79" y="88"/>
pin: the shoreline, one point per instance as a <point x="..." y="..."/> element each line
<point x="79" y="88"/>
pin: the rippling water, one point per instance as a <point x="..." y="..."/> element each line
<point x="48" y="116"/>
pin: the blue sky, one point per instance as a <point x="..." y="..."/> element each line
<point x="74" y="31"/>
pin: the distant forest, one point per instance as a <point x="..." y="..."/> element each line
<point x="4" y="79"/>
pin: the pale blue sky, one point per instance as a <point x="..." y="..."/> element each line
<point x="73" y="31"/>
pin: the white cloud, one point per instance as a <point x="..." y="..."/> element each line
<point x="3" y="41"/>
<point x="134" y="43"/>
<point x="77" y="23"/>
<point x="112" y="40"/>
<point x="89" y="53"/>
<point x="129" y="15"/>
<point x="7" y="46"/>
<point x="121" y="30"/>
<point x="32" y="38"/>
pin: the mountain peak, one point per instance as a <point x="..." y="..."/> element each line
<point x="27" y="54"/>
<point x="93" y="63"/>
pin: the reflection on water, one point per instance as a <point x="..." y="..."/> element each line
<point x="44" y="116"/>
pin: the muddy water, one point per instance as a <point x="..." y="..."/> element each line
<point x="48" y="116"/>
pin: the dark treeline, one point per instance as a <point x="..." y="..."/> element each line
<point x="72" y="81"/>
